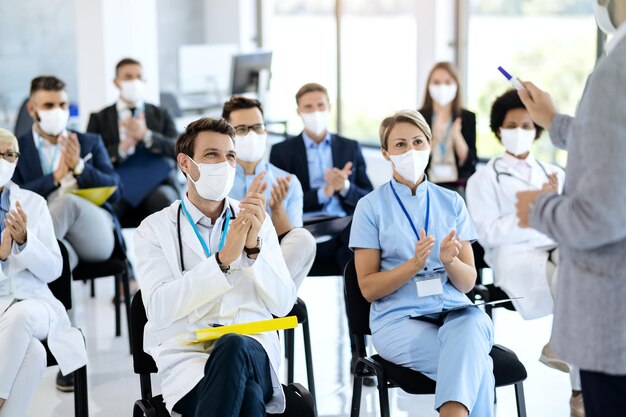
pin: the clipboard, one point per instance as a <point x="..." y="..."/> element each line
<point x="97" y="195"/>
<point x="439" y="318"/>
<point x="140" y="174"/>
<point x="213" y="333"/>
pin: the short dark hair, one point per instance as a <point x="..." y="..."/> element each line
<point x="187" y="139"/>
<point x="46" y="83"/>
<point x="507" y="101"/>
<point x="125" y="61"/>
<point x="240" y="103"/>
<point x="309" y="88"/>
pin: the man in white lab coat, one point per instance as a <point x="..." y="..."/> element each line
<point x="209" y="260"/>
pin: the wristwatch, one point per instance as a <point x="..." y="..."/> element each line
<point x="225" y="269"/>
<point x="255" y="250"/>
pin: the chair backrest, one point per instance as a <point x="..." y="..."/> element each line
<point x="142" y="362"/>
<point x="357" y="307"/>
<point x="169" y="102"/>
<point x="23" y="122"/>
<point x="62" y="287"/>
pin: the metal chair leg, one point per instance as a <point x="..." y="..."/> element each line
<point x="81" y="399"/>
<point x="357" y="388"/>
<point x="290" y="348"/>
<point x="93" y="287"/>
<point x="306" y="335"/>
<point x="383" y="395"/>
<point x="520" y="400"/>
<point x="117" y="301"/>
<point x="126" y="285"/>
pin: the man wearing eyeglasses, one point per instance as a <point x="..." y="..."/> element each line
<point x="282" y="190"/>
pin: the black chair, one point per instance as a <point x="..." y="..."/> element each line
<point x="23" y="121"/>
<point x="62" y="289"/>
<point x="508" y="370"/>
<point x="487" y="292"/>
<point x="328" y="227"/>
<point x="299" y="401"/>
<point x="300" y="311"/>
<point x="118" y="267"/>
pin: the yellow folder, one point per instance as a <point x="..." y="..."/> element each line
<point x="212" y="333"/>
<point x="96" y="195"/>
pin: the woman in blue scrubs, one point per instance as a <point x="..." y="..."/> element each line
<point x="412" y="243"/>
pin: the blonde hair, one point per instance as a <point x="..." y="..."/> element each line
<point x="403" y="116"/>
<point x="8" y="138"/>
<point x="309" y="88"/>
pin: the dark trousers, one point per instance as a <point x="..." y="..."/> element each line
<point x="237" y="381"/>
<point x="161" y="197"/>
<point x="604" y="395"/>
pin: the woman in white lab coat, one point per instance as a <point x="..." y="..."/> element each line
<point x="210" y="260"/>
<point x="29" y="259"/>
<point x="523" y="260"/>
<point x="518" y="257"/>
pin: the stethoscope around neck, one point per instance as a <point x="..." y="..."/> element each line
<point x="180" y="241"/>
<point x="508" y="174"/>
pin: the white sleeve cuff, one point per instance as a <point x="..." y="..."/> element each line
<point x="345" y="189"/>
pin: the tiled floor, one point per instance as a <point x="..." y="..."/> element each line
<point x="113" y="387"/>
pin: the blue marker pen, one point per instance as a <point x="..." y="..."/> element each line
<point x="514" y="81"/>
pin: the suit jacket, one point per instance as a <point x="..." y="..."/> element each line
<point x="468" y="130"/>
<point x="290" y="156"/>
<point x="587" y="221"/>
<point x="98" y="170"/>
<point x="158" y="120"/>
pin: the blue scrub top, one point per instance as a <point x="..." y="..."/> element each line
<point x="379" y="223"/>
<point x="294" y="200"/>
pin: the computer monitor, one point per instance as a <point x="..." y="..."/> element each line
<point x="250" y="72"/>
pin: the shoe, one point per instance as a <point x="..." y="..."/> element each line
<point x="548" y="358"/>
<point x="65" y="383"/>
<point x="577" y="406"/>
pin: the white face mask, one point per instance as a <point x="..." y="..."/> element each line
<point x="517" y="141"/>
<point x="132" y="90"/>
<point x="53" y="122"/>
<point x="215" y="181"/>
<point x="411" y="164"/>
<point x="316" y="122"/>
<point x="442" y="94"/>
<point x="604" y="18"/>
<point x="252" y="147"/>
<point x="6" y="171"/>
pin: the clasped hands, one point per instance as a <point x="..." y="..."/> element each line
<point x="136" y="130"/>
<point x="244" y="230"/>
<point x="336" y="179"/>
<point x="70" y="155"/>
<point x="14" y="230"/>
<point x="526" y="199"/>
<point x="448" y="251"/>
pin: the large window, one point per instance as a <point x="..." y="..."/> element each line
<point x="302" y="35"/>
<point x="379" y="64"/>
<point x="549" y="42"/>
<point x="378" y="59"/>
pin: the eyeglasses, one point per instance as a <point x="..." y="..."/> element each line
<point x="10" y="156"/>
<point x="242" y="130"/>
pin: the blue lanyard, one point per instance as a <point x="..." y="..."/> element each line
<point x="442" y="143"/>
<point x="406" y="213"/>
<point x="206" y="249"/>
<point x="50" y="168"/>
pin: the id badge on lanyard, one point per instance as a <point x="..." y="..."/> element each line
<point x="431" y="284"/>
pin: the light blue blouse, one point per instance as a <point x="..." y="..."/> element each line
<point x="380" y="223"/>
